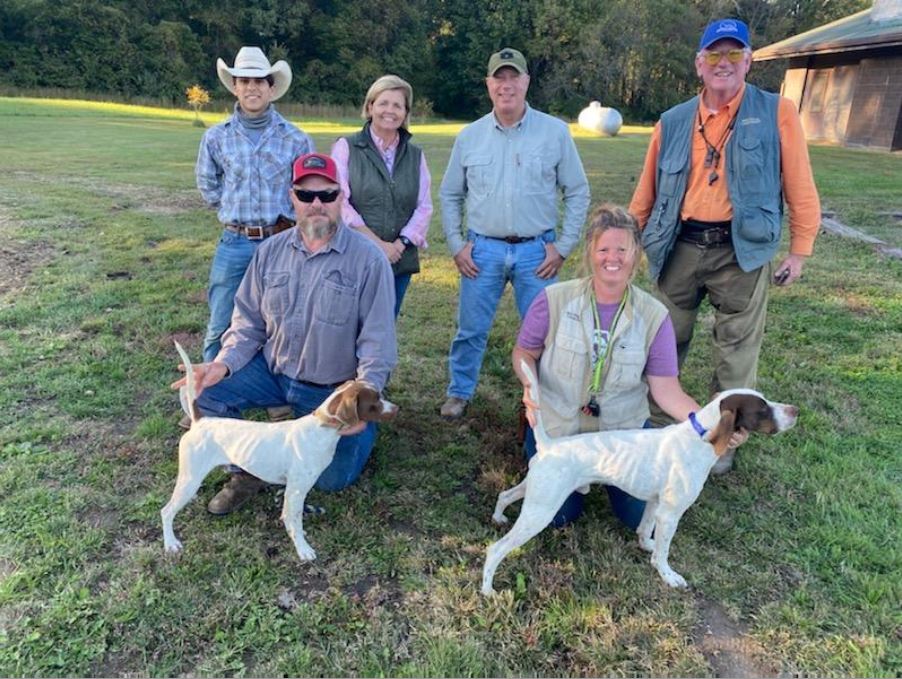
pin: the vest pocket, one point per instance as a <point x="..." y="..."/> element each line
<point x="751" y="166"/>
<point x="668" y="176"/>
<point x="760" y="224"/>
<point x="627" y="368"/>
<point x="572" y="356"/>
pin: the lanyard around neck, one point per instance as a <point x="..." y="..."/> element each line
<point x="604" y="352"/>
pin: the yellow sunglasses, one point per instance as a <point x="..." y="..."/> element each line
<point x="734" y="56"/>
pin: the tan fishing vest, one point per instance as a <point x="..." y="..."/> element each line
<point x="565" y="368"/>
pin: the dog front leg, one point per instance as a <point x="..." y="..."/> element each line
<point x="647" y="526"/>
<point x="666" y="521"/>
<point x="293" y="518"/>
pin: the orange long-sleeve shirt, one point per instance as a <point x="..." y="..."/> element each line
<point x="711" y="202"/>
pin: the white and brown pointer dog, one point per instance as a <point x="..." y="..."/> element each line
<point x="293" y="453"/>
<point x="665" y="467"/>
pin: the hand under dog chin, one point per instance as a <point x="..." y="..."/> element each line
<point x="353" y="430"/>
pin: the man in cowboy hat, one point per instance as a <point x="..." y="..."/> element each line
<point x="244" y="171"/>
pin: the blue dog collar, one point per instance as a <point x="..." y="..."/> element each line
<point x="697" y="425"/>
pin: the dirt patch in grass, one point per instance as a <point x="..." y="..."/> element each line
<point x="726" y="645"/>
<point x="19" y="260"/>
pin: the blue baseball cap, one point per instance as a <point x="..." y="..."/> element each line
<point x="734" y="29"/>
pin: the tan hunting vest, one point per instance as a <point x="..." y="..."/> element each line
<point x="565" y="367"/>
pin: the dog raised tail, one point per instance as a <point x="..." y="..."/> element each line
<point x="188" y="393"/>
<point x="542" y="438"/>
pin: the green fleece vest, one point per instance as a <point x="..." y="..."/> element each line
<point x="752" y="160"/>
<point x="385" y="201"/>
<point x="565" y="368"/>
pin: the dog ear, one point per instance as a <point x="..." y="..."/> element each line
<point x="344" y="407"/>
<point x="720" y="435"/>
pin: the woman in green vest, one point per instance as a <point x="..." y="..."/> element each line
<point x="386" y="181"/>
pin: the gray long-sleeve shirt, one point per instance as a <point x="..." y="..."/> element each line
<point x="322" y="317"/>
<point x="509" y="179"/>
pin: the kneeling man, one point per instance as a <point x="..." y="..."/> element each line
<point x="315" y="308"/>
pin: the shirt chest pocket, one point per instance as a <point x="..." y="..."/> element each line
<point x="275" y="294"/>
<point x="275" y="172"/>
<point x="478" y="170"/>
<point x="540" y="174"/>
<point x="336" y="299"/>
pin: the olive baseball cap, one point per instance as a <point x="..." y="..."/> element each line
<point x="507" y="57"/>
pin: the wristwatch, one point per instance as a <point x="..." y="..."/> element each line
<point x="405" y="241"/>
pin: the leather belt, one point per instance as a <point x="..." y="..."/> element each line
<point x="705" y="234"/>
<point x="259" y="232"/>
<point x="513" y="240"/>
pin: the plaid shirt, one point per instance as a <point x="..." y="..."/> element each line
<point x="248" y="183"/>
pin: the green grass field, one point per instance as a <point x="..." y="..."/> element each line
<point x="793" y="559"/>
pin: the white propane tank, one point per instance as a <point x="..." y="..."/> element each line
<point x="600" y="119"/>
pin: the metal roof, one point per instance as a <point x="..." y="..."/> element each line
<point x="856" y="32"/>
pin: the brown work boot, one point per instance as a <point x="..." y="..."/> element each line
<point x="185" y="422"/>
<point x="724" y="463"/>
<point x="238" y="490"/>
<point x="280" y="413"/>
<point x="453" y="408"/>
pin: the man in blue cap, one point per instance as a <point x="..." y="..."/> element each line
<point x="710" y="203"/>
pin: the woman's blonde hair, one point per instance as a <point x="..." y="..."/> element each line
<point x="388" y="82"/>
<point x="605" y="217"/>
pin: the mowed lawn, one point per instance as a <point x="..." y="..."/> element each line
<point x="793" y="559"/>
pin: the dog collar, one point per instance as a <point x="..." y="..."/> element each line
<point x="697" y="425"/>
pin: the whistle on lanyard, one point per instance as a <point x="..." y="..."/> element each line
<point x="591" y="408"/>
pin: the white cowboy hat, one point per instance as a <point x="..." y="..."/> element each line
<point x="250" y="62"/>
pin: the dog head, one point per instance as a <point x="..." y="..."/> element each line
<point x="749" y="410"/>
<point x="356" y="401"/>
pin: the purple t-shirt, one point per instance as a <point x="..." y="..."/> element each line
<point x="662" y="355"/>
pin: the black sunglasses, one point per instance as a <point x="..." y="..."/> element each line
<point x="305" y="196"/>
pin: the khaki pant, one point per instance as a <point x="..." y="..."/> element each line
<point x="740" y="309"/>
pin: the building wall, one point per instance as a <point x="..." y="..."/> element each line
<point x="877" y="104"/>
<point x="851" y="98"/>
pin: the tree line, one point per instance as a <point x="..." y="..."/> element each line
<point x="634" y="55"/>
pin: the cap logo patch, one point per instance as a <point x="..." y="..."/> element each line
<point x="314" y="162"/>
<point x="727" y="26"/>
<point x="507" y="54"/>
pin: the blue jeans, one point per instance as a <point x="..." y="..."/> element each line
<point x="625" y="507"/>
<point x="498" y="263"/>
<point x="254" y="386"/>
<point x="233" y="254"/>
<point x="401" y="283"/>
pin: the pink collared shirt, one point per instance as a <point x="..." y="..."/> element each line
<point x="418" y="225"/>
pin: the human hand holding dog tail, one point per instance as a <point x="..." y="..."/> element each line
<point x="205" y="375"/>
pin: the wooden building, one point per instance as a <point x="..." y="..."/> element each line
<point x="846" y="77"/>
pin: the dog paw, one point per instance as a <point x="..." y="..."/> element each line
<point x="306" y="552"/>
<point x="647" y="544"/>
<point x="488" y="591"/>
<point x="674" y="579"/>
<point x="173" y="547"/>
<point x="499" y="518"/>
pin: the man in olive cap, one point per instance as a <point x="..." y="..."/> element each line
<point x="508" y="168"/>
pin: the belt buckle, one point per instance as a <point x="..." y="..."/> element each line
<point x="254" y="232"/>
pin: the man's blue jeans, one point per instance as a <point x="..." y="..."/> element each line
<point x="625" y="507"/>
<point x="233" y="254"/>
<point x="254" y="386"/>
<point x="498" y="263"/>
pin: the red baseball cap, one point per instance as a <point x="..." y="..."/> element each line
<point x="314" y="164"/>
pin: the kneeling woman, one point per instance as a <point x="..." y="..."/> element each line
<point x="604" y="344"/>
<point x="386" y="181"/>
